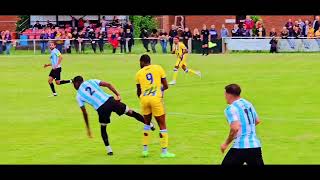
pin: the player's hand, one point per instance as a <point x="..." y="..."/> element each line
<point x="45" y="65"/>
<point x="117" y="98"/>
<point x="223" y="147"/>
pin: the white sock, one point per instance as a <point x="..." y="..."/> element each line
<point x="109" y="148"/>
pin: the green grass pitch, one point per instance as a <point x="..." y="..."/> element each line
<point x="36" y="129"/>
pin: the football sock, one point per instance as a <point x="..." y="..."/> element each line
<point x="175" y="74"/>
<point x="164" y="140"/>
<point x="190" y="70"/>
<point x="203" y="51"/>
<point x="146" y="137"/>
<point x="65" y="81"/>
<point x="109" y="148"/>
<point x="207" y="49"/>
<point x="105" y="139"/>
<point x="52" y="87"/>
<point x="137" y="116"/>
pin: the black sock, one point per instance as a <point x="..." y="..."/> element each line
<point x="65" y="81"/>
<point x="203" y="50"/>
<point x="137" y="116"/>
<point x="104" y="135"/>
<point x="207" y="49"/>
<point x="52" y="87"/>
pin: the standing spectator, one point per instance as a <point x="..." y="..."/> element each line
<point x="172" y="33"/>
<point x="289" y="26"/>
<point x="44" y="36"/>
<point x="145" y="35"/>
<point x="153" y="42"/>
<point x="58" y="41"/>
<point x="316" y="24"/>
<point x="261" y="32"/>
<point x="301" y="26"/>
<point x="249" y="23"/>
<point x="310" y="31"/>
<point x="128" y="26"/>
<point x="273" y="47"/>
<point x="305" y="28"/>
<point x="81" y="41"/>
<point x="213" y="33"/>
<point x="101" y="36"/>
<point x="186" y="36"/>
<point x="67" y="45"/>
<point x="244" y="32"/>
<point x="114" y="42"/>
<point x="196" y="40"/>
<point x="224" y="31"/>
<point x="163" y="40"/>
<point x="296" y="32"/>
<point x="205" y="40"/>
<point x="37" y="25"/>
<point x="92" y="38"/>
<point x="235" y="32"/>
<point x="284" y="33"/>
<point x="317" y="34"/>
<point x="75" y="36"/>
<point x="122" y="39"/>
<point x="7" y="41"/>
<point x="49" y="25"/>
<point x="129" y="39"/>
<point x="80" y="24"/>
<point x="74" y="22"/>
<point x="273" y="33"/>
<point x="1" y="41"/>
<point x="87" y="23"/>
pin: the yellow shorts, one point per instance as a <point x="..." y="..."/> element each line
<point x="180" y="63"/>
<point x="152" y="105"/>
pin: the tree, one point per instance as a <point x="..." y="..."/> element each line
<point x="139" y="22"/>
<point x="22" y="24"/>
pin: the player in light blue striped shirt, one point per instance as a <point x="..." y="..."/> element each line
<point x="90" y="92"/>
<point x="242" y="118"/>
<point x="55" y="73"/>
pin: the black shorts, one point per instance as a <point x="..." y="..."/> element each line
<point x="55" y="73"/>
<point x="237" y="157"/>
<point x="111" y="105"/>
<point x="205" y="41"/>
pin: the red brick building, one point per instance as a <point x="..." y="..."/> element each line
<point x="8" y="23"/>
<point x="197" y="21"/>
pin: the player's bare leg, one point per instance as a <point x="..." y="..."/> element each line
<point x="175" y="74"/>
<point x="105" y="139"/>
<point x="161" y="120"/>
<point x="138" y="117"/>
<point x="50" y="81"/>
<point x="146" y="134"/>
<point x="186" y="70"/>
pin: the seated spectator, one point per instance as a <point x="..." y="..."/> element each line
<point x="44" y="36"/>
<point x="213" y="33"/>
<point x="284" y="33"/>
<point x="153" y="42"/>
<point x="273" y="33"/>
<point x="259" y="24"/>
<point x="310" y="31"/>
<point x="115" y="22"/>
<point x="37" y="25"/>
<point x="186" y="35"/>
<point x="289" y="26"/>
<point x="7" y="41"/>
<point x="261" y="32"/>
<point x="224" y="31"/>
<point x="103" y="23"/>
<point x="249" y="23"/>
<point x="244" y="32"/>
<point x="87" y="23"/>
<point x="49" y="24"/>
<point x="164" y="40"/>
<point x="74" y="22"/>
<point x="235" y="32"/>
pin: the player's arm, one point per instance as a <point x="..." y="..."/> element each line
<point x="138" y="90"/>
<point x="46" y="65"/>
<point x="59" y="60"/>
<point x="234" y="122"/>
<point x="258" y="121"/>
<point x="86" y="120"/>
<point x="110" y="86"/>
<point x="164" y="84"/>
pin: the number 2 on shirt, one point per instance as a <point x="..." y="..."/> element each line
<point x="90" y="90"/>
<point x="149" y="77"/>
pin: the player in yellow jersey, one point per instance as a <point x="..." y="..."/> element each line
<point x="181" y="52"/>
<point x="151" y="84"/>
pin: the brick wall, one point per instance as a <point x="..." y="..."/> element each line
<point x="8" y="23"/>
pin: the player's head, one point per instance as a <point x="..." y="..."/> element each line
<point x="52" y="45"/>
<point x="145" y="60"/>
<point x="232" y="92"/>
<point x="176" y="39"/>
<point x="77" y="81"/>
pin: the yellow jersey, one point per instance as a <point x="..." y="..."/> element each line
<point x="149" y="78"/>
<point x="178" y="49"/>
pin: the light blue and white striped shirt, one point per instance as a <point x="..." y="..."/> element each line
<point x="91" y="93"/>
<point x="54" y="57"/>
<point x="243" y="111"/>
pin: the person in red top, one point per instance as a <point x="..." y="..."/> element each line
<point x="249" y="24"/>
<point x="114" y="42"/>
<point x="81" y="23"/>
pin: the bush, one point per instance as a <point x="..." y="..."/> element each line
<point x="139" y="22"/>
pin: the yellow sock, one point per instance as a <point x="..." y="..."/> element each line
<point x="164" y="141"/>
<point x="175" y="74"/>
<point x="191" y="71"/>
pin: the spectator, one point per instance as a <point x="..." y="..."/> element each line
<point x="128" y="26"/>
<point x="74" y="22"/>
<point x="289" y="26"/>
<point x="301" y="27"/>
<point x="305" y="28"/>
<point x="316" y="24"/>
<point x="317" y="34"/>
<point x="87" y="23"/>
<point x="296" y="24"/>
<point x="81" y="41"/>
<point x="196" y="40"/>
<point x="213" y="33"/>
<point x="163" y="40"/>
<point x="249" y="23"/>
<point x="235" y="32"/>
<point x="75" y="36"/>
<point x="261" y="32"/>
<point x="7" y="41"/>
<point x="129" y="39"/>
<point x="44" y="36"/>
<point x="92" y="38"/>
<point x="273" y="47"/>
<point x="244" y="32"/>
<point x="122" y="39"/>
<point x="114" y="42"/>
<point x="205" y="40"/>
<point x="101" y="36"/>
<point x="296" y="32"/>
<point x="310" y="31"/>
<point x="172" y="33"/>
<point x="273" y="33"/>
<point x="1" y="41"/>
<point x="259" y="24"/>
<point x="153" y="42"/>
<point x="103" y="22"/>
<point x="80" y="24"/>
<point x="67" y="45"/>
<point x="186" y="36"/>
<point x="115" y="21"/>
<point x="49" y="25"/>
<point x="224" y="31"/>
<point x="58" y="41"/>
<point x="284" y="33"/>
<point x="144" y="35"/>
<point x="37" y="25"/>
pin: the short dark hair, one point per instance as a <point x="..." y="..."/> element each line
<point x="77" y="79"/>
<point x="145" y="58"/>
<point x="53" y="42"/>
<point x="233" y="89"/>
